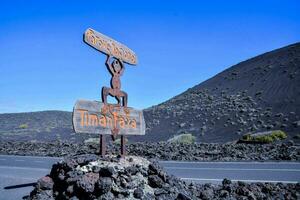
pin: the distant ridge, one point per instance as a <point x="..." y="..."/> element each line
<point x="41" y="126"/>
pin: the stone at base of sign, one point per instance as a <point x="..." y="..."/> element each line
<point x="98" y="118"/>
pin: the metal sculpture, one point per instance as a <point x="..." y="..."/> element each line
<point x="104" y="118"/>
<point x="116" y="68"/>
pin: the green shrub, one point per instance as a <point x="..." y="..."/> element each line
<point x="279" y="134"/>
<point x="268" y="138"/>
<point x="186" y="138"/>
<point x="247" y="137"/>
<point x="97" y="141"/>
<point x="23" y="126"/>
<point x="265" y="139"/>
<point x="92" y="140"/>
<point x="118" y="141"/>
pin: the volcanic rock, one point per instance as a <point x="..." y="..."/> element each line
<point x="160" y="150"/>
<point x="134" y="177"/>
<point x="117" y="178"/>
<point x="45" y="183"/>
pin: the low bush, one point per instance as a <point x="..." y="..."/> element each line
<point x="266" y="138"/>
<point x="278" y="134"/>
<point x="92" y="140"/>
<point x="23" y="126"/>
<point x="97" y="141"/>
<point x="186" y="138"/>
<point x="118" y="141"/>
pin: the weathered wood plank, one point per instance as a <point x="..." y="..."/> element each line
<point x="109" y="46"/>
<point x="97" y="118"/>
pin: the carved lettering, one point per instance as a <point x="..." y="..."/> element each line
<point x="93" y="120"/>
<point x="107" y="120"/>
<point x="102" y="121"/>
<point x="133" y="124"/>
<point x="82" y="117"/>
<point x="110" y="46"/>
<point x="121" y="122"/>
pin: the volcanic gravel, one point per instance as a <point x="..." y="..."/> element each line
<point x="164" y="150"/>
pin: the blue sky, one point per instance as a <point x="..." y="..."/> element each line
<point x="45" y="65"/>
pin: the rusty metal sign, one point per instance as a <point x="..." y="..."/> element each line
<point x="99" y="118"/>
<point x="109" y="46"/>
<point x="102" y="117"/>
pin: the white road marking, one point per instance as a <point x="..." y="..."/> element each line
<point x="231" y="169"/>
<point x="235" y="180"/>
<point x="19" y="160"/>
<point x="25" y="168"/>
<point x="22" y="178"/>
<point x="237" y="162"/>
<point x="42" y="157"/>
<point x="38" y="161"/>
<point x="2" y="159"/>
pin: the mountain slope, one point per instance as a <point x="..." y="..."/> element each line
<point x="43" y="126"/>
<point x="262" y="93"/>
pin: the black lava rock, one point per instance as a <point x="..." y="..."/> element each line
<point x="45" y="183"/>
<point x="107" y="171"/>
<point x="87" y="177"/>
<point x="104" y="185"/>
<point x="155" y="181"/>
<point x="138" y="193"/>
<point x="182" y="196"/>
<point x="164" y="151"/>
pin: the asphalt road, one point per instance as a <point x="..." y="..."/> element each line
<point x="17" y="170"/>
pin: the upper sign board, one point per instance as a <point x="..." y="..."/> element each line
<point x="109" y="46"/>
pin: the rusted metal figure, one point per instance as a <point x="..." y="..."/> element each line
<point x="116" y="69"/>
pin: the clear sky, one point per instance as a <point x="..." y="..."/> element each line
<point x="45" y="65"/>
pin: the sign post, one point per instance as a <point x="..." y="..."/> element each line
<point x="102" y="117"/>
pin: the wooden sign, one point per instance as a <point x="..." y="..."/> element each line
<point x="109" y="46"/>
<point x="99" y="118"/>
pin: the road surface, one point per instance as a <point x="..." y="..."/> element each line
<point x="18" y="170"/>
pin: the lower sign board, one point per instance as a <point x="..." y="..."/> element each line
<point x="99" y="118"/>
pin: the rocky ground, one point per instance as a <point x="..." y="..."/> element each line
<point x="88" y="177"/>
<point x="164" y="150"/>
